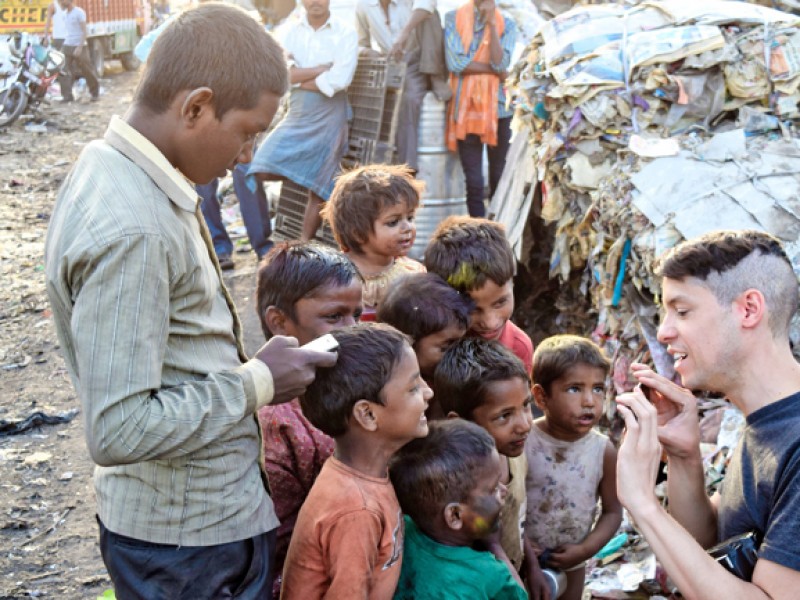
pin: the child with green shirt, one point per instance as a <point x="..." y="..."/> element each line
<point x="448" y="485"/>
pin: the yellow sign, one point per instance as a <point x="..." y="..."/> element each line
<point x="23" y="15"/>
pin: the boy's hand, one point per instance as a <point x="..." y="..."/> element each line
<point x="293" y="368"/>
<point x="535" y="582"/>
<point x="567" y="556"/>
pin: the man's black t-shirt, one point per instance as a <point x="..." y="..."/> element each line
<point x="761" y="491"/>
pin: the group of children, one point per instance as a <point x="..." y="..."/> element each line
<point x="413" y="468"/>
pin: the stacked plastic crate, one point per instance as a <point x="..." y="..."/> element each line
<point x="374" y="96"/>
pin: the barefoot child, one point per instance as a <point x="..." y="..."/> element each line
<point x="304" y="291"/>
<point x="371" y="212"/>
<point x="483" y="382"/>
<point x="424" y="307"/>
<point x="449" y="487"/>
<point x="570" y="464"/>
<point x="474" y="256"/>
<point x="347" y="542"/>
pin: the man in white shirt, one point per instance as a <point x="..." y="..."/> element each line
<point x="308" y="144"/>
<point x="76" y="52"/>
<point x="408" y="30"/>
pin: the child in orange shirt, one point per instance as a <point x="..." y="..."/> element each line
<point x="304" y="290"/>
<point x="371" y="212"/>
<point x="348" y="540"/>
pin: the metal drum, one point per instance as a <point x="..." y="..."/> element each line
<point x="440" y="170"/>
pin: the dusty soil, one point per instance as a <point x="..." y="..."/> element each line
<point x="48" y="535"/>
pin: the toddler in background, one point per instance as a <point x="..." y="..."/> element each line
<point x="434" y="314"/>
<point x="348" y="540"/>
<point x="371" y="213"/>
<point x="448" y="485"/>
<point x="303" y="290"/>
<point x="474" y="256"/>
<point x="482" y="381"/>
<point x="570" y="464"/>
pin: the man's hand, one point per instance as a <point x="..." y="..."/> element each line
<point x="678" y="424"/>
<point x="397" y="51"/>
<point x="78" y="51"/>
<point x="370" y="53"/>
<point x="293" y="368"/>
<point x="567" y="556"/>
<point x="486" y="9"/>
<point x="639" y="454"/>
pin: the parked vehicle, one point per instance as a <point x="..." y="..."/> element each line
<point x="25" y="80"/>
<point x="113" y="27"/>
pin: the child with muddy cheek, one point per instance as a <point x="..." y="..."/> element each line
<point x="570" y="464"/>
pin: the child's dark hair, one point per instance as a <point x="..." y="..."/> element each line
<point x="296" y="270"/>
<point x="431" y="472"/>
<point x="466" y="370"/>
<point x="466" y="252"/>
<point x="556" y="354"/>
<point x="421" y="304"/>
<point x="360" y="195"/>
<point x="218" y="46"/>
<point x="367" y="356"/>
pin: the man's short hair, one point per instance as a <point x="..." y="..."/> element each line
<point x="466" y="371"/>
<point x="730" y="262"/>
<point x="555" y="355"/>
<point x="361" y="194"/>
<point x="421" y="304"/>
<point x="431" y="472"/>
<point x="467" y="252"/>
<point x="218" y="46"/>
<point x="292" y="271"/>
<point x="367" y="355"/>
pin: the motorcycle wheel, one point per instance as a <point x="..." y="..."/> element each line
<point x="12" y="103"/>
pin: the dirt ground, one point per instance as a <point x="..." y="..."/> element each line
<point x="48" y="535"/>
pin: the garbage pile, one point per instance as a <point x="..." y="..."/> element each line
<point x="646" y="125"/>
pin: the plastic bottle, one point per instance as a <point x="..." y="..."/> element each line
<point x="557" y="581"/>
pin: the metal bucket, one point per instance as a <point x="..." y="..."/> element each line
<point x="440" y="170"/>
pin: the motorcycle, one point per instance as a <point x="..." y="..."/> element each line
<point x="25" y="79"/>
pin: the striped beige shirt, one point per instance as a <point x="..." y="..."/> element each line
<point x="153" y="345"/>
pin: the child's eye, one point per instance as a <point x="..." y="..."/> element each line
<point x="573" y="389"/>
<point x="599" y="389"/>
<point x="503" y="416"/>
<point x="392" y="223"/>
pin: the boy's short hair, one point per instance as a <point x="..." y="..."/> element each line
<point x="466" y="252"/>
<point x="730" y="262"/>
<point x="367" y="355"/>
<point x="421" y="304"/>
<point x="431" y="472"/>
<point x="557" y="354"/>
<point x="467" y="369"/>
<point x="292" y="271"/>
<point x="218" y="46"/>
<point x="361" y="194"/>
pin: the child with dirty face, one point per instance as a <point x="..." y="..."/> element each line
<point x="448" y="485"/>
<point x="570" y="464"/>
<point x="484" y="382"/>
<point x="474" y="256"/>
<point x="371" y="213"/>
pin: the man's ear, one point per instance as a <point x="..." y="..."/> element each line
<point x="751" y="306"/>
<point x="364" y="415"/>
<point x="276" y="320"/>
<point x="452" y="516"/>
<point x="539" y="395"/>
<point x="197" y="104"/>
